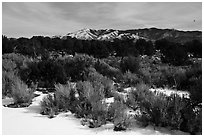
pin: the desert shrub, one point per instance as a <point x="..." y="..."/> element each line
<point x="194" y="125"/>
<point x="21" y="93"/>
<point x="62" y="96"/>
<point x="194" y="47"/>
<point x="30" y="72"/>
<point x="7" y="82"/>
<point x="131" y="79"/>
<point x="84" y="89"/>
<point x="151" y="104"/>
<point x="49" y="71"/>
<point x="192" y="119"/>
<point x="189" y="79"/>
<point x="113" y="61"/>
<point x="98" y="110"/>
<point x="99" y="113"/>
<point x="8" y="65"/>
<point x="107" y="70"/>
<point x="111" y="112"/>
<point x="174" y="107"/>
<point x="14" y="61"/>
<point x="168" y="76"/>
<point x="120" y="118"/>
<point x="171" y="111"/>
<point x="179" y="77"/>
<point x="90" y="102"/>
<point x="130" y="63"/>
<point x="105" y="81"/>
<point x="162" y="110"/>
<point x="83" y="106"/>
<point x="144" y="47"/>
<point x="156" y="79"/>
<point x="14" y="57"/>
<point x="172" y="53"/>
<point x="78" y="67"/>
<point x="48" y="106"/>
<point x="60" y="101"/>
<point x="196" y="90"/>
<point x="193" y="83"/>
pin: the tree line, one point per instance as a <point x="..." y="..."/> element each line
<point x="173" y="53"/>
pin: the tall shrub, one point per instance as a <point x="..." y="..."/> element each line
<point x="90" y="102"/>
<point x="48" y="106"/>
<point x="7" y="82"/>
<point x="62" y="96"/>
<point x="105" y="81"/>
<point x="159" y="109"/>
<point x="130" y="63"/>
<point x="21" y="93"/>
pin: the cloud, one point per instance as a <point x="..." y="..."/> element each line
<point x="27" y="19"/>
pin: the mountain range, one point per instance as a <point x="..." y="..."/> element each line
<point x="152" y="34"/>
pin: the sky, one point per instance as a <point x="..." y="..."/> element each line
<point x="48" y="19"/>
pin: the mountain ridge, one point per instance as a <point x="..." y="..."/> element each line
<point x="152" y="34"/>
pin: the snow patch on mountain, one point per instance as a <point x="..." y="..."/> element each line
<point x="84" y="34"/>
<point x="109" y="36"/>
<point x="106" y="34"/>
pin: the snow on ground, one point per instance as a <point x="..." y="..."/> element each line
<point x="165" y="91"/>
<point x="168" y="92"/>
<point x="29" y="121"/>
<point x="129" y="89"/>
<point x="108" y="100"/>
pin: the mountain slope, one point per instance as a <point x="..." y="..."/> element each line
<point x="147" y="33"/>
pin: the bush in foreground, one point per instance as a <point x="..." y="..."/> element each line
<point x="48" y="106"/>
<point x="62" y="96"/>
<point x="58" y="102"/>
<point x="90" y="103"/>
<point x="160" y="110"/>
<point x="21" y="93"/>
<point x="117" y="115"/>
<point x="103" y="80"/>
<point x="7" y="82"/>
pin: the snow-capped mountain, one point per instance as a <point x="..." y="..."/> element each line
<point x="106" y="34"/>
<point x="147" y="34"/>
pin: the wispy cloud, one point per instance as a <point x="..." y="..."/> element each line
<point x="27" y="19"/>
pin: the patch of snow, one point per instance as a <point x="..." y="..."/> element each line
<point x="169" y="92"/>
<point x="73" y="85"/>
<point x="82" y="34"/>
<point x="38" y="92"/>
<point x="129" y="89"/>
<point x="87" y="34"/>
<point x="108" y="100"/>
<point x="76" y="95"/>
<point x="133" y="113"/>
<point x="121" y="95"/>
<point x="108" y="36"/>
<point x="29" y="121"/>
